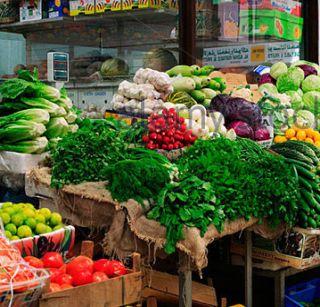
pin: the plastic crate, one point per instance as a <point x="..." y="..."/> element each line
<point x="303" y="292"/>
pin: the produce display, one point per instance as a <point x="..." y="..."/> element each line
<point x="79" y="271"/>
<point x="34" y="116"/>
<point x="22" y="220"/>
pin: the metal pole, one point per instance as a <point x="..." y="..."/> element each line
<point x="187" y="32"/>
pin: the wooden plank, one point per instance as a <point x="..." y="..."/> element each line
<point x="165" y="284"/>
<point x="279" y="288"/>
<point x="185" y="289"/>
<point x="114" y="292"/>
<point x="87" y="248"/>
<point x="248" y="268"/>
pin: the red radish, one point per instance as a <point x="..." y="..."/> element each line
<point x="82" y="278"/>
<point x="99" y="276"/>
<point x="145" y="139"/>
<point x="78" y="264"/>
<point x="52" y="260"/>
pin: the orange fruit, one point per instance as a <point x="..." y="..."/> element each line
<point x="280" y="139"/>
<point x="301" y="135"/>
<point x="310" y="132"/>
<point x="317" y="143"/>
<point x="293" y="139"/>
<point x="290" y="133"/>
<point x="316" y="136"/>
<point x="309" y="140"/>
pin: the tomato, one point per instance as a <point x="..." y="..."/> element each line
<point x="99" y="277"/>
<point x="105" y="266"/>
<point x="34" y="262"/>
<point x="82" y="278"/>
<point x="54" y="274"/>
<point x="54" y="287"/>
<point x="65" y="286"/>
<point x="63" y="279"/>
<point x="52" y="260"/>
<point x="119" y="268"/>
<point x="78" y="264"/>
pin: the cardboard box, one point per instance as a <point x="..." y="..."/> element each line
<point x="271" y="23"/>
<point x="30" y="10"/>
<point x="78" y="7"/>
<point x="286" y="6"/>
<point x="298" y="248"/>
<point x="102" y="6"/>
<point x="58" y="8"/>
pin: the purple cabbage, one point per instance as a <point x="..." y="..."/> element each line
<point x="237" y="109"/>
<point x="266" y="78"/>
<point x="308" y="70"/>
<point x="261" y="134"/>
<point x="241" y="129"/>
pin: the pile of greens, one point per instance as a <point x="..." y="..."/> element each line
<point x="223" y="180"/>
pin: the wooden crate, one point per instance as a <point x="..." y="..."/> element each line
<point x="118" y="291"/>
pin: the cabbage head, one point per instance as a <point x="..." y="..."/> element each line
<point x="278" y="69"/>
<point x="311" y="83"/>
<point x="296" y="100"/>
<point x="305" y="119"/>
<point x="302" y="62"/>
<point x="296" y="73"/>
<point x="285" y="83"/>
<point x="311" y="102"/>
<point x="268" y="89"/>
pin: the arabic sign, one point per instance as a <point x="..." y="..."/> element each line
<point x="250" y="55"/>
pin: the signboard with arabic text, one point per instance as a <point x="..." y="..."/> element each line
<point x="251" y="55"/>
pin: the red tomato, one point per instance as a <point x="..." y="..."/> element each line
<point x="82" y="278"/>
<point x="63" y="279"/>
<point x="52" y="260"/>
<point x="101" y="265"/>
<point x="119" y="268"/>
<point x="54" y="287"/>
<point x="34" y="262"/>
<point x="54" y="274"/>
<point x="66" y="286"/>
<point x="78" y="264"/>
<point x="99" y="276"/>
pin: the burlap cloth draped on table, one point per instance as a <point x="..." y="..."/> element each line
<point x="127" y="228"/>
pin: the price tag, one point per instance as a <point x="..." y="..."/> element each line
<point x="258" y="54"/>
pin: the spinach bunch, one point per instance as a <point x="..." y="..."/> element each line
<point x="190" y="202"/>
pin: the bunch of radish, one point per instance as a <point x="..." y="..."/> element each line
<point x="167" y="131"/>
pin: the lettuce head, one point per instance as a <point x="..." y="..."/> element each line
<point x="278" y="69"/>
<point x="311" y="102"/>
<point x="286" y="83"/>
<point x="311" y="83"/>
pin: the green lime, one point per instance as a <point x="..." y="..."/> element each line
<point x="5" y="218"/>
<point x="58" y="227"/>
<point x="24" y="231"/>
<point x="49" y="229"/>
<point x="6" y="205"/>
<point x="45" y="212"/>
<point x="30" y="206"/>
<point x="8" y="234"/>
<point x="9" y="210"/>
<point x="55" y="219"/>
<point x="31" y="222"/>
<point x="40" y="218"/>
<point x="28" y="212"/>
<point x="18" y="219"/>
<point x="13" y="238"/>
<point x="41" y="228"/>
<point x="11" y="227"/>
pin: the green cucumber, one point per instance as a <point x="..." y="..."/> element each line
<point x="304" y="206"/>
<point x="311" y="222"/>
<point x="305" y="184"/>
<point x="312" y="202"/>
<point x="315" y="149"/>
<point x="303" y="217"/>
<point x="292" y="154"/>
<point x="198" y="96"/>
<point x="214" y="85"/>
<point x="183" y="70"/>
<point x="304" y="172"/>
<point x="304" y="149"/>
<point x="198" y="81"/>
<point x="305" y="165"/>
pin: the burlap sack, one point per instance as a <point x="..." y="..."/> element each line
<point x="128" y="229"/>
